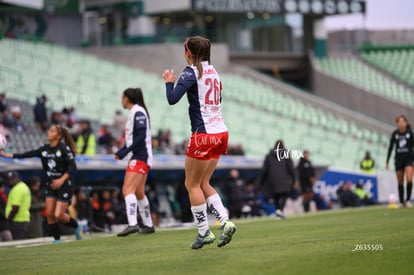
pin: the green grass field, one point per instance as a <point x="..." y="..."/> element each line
<point x="320" y="243"/>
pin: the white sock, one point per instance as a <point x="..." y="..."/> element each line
<point x="145" y="212"/>
<point x="131" y="209"/>
<point x="200" y="217"/>
<point x="217" y="208"/>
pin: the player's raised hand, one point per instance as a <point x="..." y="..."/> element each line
<point x="169" y="76"/>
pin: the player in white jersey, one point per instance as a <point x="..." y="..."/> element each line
<point x="209" y="138"/>
<point x="138" y="143"/>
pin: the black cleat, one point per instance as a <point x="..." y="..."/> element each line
<point x="146" y="230"/>
<point x="128" y="230"/>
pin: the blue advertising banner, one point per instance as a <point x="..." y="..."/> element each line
<point x="331" y="180"/>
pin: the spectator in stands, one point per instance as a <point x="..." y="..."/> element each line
<point x="251" y="202"/>
<point x="367" y="164"/>
<point x="7" y="119"/>
<point x="57" y="118"/>
<point x="3" y="103"/>
<point x="98" y="216"/>
<point x="40" y="113"/>
<point x="185" y="213"/>
<point x="181" y="148"/>
<point x="307" y="179"/>
<point x="363" y="195"/>
<point x="277" y="176"/>
<point x="107" y="208"/>
<point x="5" y="233"/>
<point x="17" y="119"/>
<point x="347" y="198"/>
<point x="35" y="229"/>
<point x="119" y="120"/>
<point x="236" y="150"/>
<point x="18" y="206"/>
<point x="72" y="117"/>
<point x="3" y="129"/>
<point x="86" y="142"/>
<point x="233" y="190"/>
<point x="164" y="141"/>
<point x="105" y="138"/>
<point x="84" y="210"/>
<point x="118" y="207"/>
<point x="154" y="205"/>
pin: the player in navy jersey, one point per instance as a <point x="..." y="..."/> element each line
<point x="138" y="143"/>
<point x="403" y="140"/>
<point x="208" y="140"/>
<point x="58" y="162"/>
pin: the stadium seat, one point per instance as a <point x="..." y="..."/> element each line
<point x="361" y="75"/>
<point x="256" y="114"/>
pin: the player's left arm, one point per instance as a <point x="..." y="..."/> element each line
<point x="139" y="134"/>
<point x="186" y="80"/>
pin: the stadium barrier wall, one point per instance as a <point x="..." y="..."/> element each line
<point x="103" y="169"/>
<point x="378" y="186"/>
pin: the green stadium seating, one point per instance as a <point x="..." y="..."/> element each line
<point x="354" y="71"/>
<point x="256" y="114"/>
<point x="399" y="63"/>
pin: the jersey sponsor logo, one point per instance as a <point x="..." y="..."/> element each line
<point x="132" y="164"/>
<point x="215" y="119"/>
<point x="140" y="119"/>
<point x="402" y="142"/>
<point x="185" y="74"/>
<point x="51" y="164"/>
<point x="199" y="153"/>
<point x="201" y="140"/>
<point x="54" y="174"/>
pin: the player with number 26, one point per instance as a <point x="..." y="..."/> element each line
<point x="208" y="140"/>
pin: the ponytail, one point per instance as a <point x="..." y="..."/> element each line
<point x="67" y="137"/>
<point x="199" y="48"/>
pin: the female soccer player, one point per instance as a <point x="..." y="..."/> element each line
<point x="403" y="140"/>
<point x="58" y="162"/>
<point x="138" y="142"/>
<point x="208" y="140"/>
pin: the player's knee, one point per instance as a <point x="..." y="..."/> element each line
<point x="50" y="216"/>
<point x="59" y="216"/>
<point x="140" y="195"/>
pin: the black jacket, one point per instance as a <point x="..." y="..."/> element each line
<point x="305" y="171"/>
<point x="39" y="110"/>
<point x="277" y="175"/>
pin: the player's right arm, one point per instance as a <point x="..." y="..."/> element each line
<point x="28" y="154"/>
<point x="390" y="147"/>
